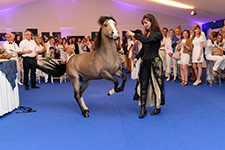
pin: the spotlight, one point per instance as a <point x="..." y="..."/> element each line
<point x="193" y="13"/>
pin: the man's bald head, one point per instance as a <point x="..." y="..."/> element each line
<point x="8" y="37"/>
<point x="28" y="35"/>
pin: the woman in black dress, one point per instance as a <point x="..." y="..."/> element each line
<point x="151" y="77"/>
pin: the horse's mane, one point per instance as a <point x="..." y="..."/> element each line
<point x="101" y="20"/>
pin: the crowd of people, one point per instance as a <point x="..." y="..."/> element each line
<point x="148" y="56"/>
<point x="184" y="49"/>
<point x="33" y="49"/>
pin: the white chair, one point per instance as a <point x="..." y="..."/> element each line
<point x="61" y="78"/>
<point x="40" y="73"/>
<point x="209" y="75"/>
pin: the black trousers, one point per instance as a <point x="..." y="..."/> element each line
<point x="144" y="79"/>
<point x="27" y="65"/>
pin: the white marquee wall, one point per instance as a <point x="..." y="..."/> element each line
<point x="78" y="17"/>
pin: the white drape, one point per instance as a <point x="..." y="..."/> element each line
<point x="9" y="98"/>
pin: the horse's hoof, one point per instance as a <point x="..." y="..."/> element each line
<point x="85" y="113"/>
<point x="111" y="92"/>
<point x="120" y="89"/>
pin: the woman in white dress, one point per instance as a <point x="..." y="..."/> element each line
<point x="185" y="47"/>
<point x="169" y="52"/>
<point x="40" y="55"/>
<point x="71" y="44"/>
<point x="197" y="55"/>
<point x="62" y="51"/>
<point x="219" y="60"/>
<point x="85" y="46"/>
<point x="40" y="47"/>
<point x="79" y="43"/>
<point x="219" y="44"/>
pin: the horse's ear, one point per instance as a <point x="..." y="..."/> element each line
<point x="102" y="19"/>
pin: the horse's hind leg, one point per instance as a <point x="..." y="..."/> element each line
<point x="75" y="83"/>
<point x="124" y="78"/>
<point x="83" y="87"/>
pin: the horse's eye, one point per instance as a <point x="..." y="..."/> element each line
<point x="105" y="25"/>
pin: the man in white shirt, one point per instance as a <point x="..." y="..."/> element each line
<point x="12" y="49"/>
<point x="28" y="49"/>
<point x="10" y="46"/>
<point x="162" y="52"/>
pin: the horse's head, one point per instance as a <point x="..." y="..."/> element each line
<point x="109" y="27"/>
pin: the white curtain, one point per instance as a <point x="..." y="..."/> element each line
<point x="9" y="98"/>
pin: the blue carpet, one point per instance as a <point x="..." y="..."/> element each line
<point x="192" y="119"/>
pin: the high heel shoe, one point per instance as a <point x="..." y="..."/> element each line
<point x="156" y="111"/>
<point x="197" y="82"/>
<point x="185" y="83"/>
<point x="175" y="80"/>
<point x="168" y="79"/>
<point x="214" y="73"/>
<point x="143" y="112"/>
<point x="182" y="83"/>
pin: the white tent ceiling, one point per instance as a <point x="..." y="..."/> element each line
<point x="8" y="4"/>
<point x="207" y="11"/>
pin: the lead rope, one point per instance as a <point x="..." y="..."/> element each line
<point x="25" y="109"/>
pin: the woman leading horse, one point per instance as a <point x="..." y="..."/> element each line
<point x="151" y="72"/>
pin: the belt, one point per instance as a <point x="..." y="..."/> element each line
<point x="29" y="57"/>
<point x="162" y="49"/>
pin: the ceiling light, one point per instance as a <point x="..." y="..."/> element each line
<point x="173" y="3"/>
<point x="193" y="13"/>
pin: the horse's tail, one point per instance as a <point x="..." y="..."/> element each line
<point x="52" y="67"/>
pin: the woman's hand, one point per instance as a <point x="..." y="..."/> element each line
<point x="170" y="54"/>
<point x="135" y="61"/>
<point x="129" y="33"/>
<point x="199" y="58"/>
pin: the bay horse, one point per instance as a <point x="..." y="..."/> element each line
<point x="102" y="62"/>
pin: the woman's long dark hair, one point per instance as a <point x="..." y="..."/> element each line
<point x="154" y="23"/>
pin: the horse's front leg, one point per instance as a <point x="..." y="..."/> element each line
<point x="106" y="75"/>
<point x="124" y="78"/>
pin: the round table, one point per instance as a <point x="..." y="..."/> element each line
<point x="9" y="95"/>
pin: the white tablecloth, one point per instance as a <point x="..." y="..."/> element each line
<point x="9" y="98"/>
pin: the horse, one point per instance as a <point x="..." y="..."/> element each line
<point x="102" y="63"/>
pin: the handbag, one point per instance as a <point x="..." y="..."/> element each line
<point x="217" y="51"/>
<point x="176" y="55"/>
